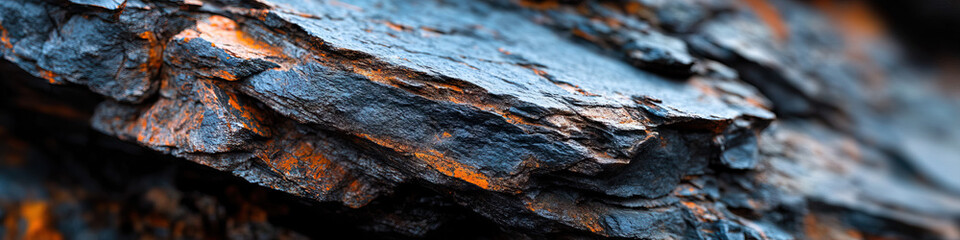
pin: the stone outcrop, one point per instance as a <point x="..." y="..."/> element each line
<point x="692" y="119"/>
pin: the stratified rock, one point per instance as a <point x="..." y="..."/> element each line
<point x="633" y="119"/>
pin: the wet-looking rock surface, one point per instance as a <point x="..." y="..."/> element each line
<point x="502" y="119"/>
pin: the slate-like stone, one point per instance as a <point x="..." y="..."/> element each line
<point x="633" y="119"/>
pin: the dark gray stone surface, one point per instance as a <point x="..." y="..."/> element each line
<point x="636" y="119"/>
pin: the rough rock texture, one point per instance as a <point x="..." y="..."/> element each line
<point x="691" y="119"/>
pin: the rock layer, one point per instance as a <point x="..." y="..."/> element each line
<point x="635" y="119"/>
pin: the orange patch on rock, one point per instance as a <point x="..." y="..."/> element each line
<point x="3" y="37"/>
<point x="855" y="19"/>
<point x="319" y="166"/>
<point x="48" y="75"/>
<point x="817" y="227"/>
<point x="39" y="223"/>
<point x="153" y="131"/>
<point x="155" y="57"/>
<point x="702" y="213"/>
<point x="245" y="114"/>
<point x="769" y="15"/>
<point x="589" y="37"/>
<point x="580" y="216"/>
<point x="633" y="7"/>
<point x="397" y="27"/>
<point x="377" y="75"/>
<point x="224" y="33"/>
<point x="225" y="75"/>
<point x="306" y="160"/>
<point x="540" y="4"/>
<point x="438" y="161"/>
<point x="453" y="168"/>
<point x="513" y="119"/>
<point x="159" y="126"/>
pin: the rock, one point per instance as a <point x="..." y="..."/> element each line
<point x="632" y="119"/>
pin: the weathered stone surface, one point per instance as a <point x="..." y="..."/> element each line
<point x="695" y="119"/>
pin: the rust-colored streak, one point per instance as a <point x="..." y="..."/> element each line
<point x="854" y="18"/>
<point x="249" y="116"/>
<point x="539" y="72"/>
<point x="48" y="75"/>
<point x="703" y="213"/>
<point x="586" y="36"/>
<point x="579" y="216"/>
<point x="224" y="33"/>
<point x="155" y="57"/>
<point x="318" y="166"/>
<point x="633" y="7"/>
<point x="224" y="74"/>
<point x="4" y="39"/>
<point x="397" y="27"/>
<point x="817" y="226"/>
<point x="466" y="95"/>
<point x="377" y="75"/>
<point x="813" y="228"/>
<point x="770" y="16"/>
<point x="152" y="130"/>
<point x="859" y="26"/>
<point x="438" y="161"/>
<point x="540" y="4"/>
<point x="453" y="168"/>
<point x="39" y="224"/>
<point x="308" y="162"/>
<point x="237" y="110"/>
<point x="158" y="126"/>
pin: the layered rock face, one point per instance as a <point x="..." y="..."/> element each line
<point x="692" y="119"/>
